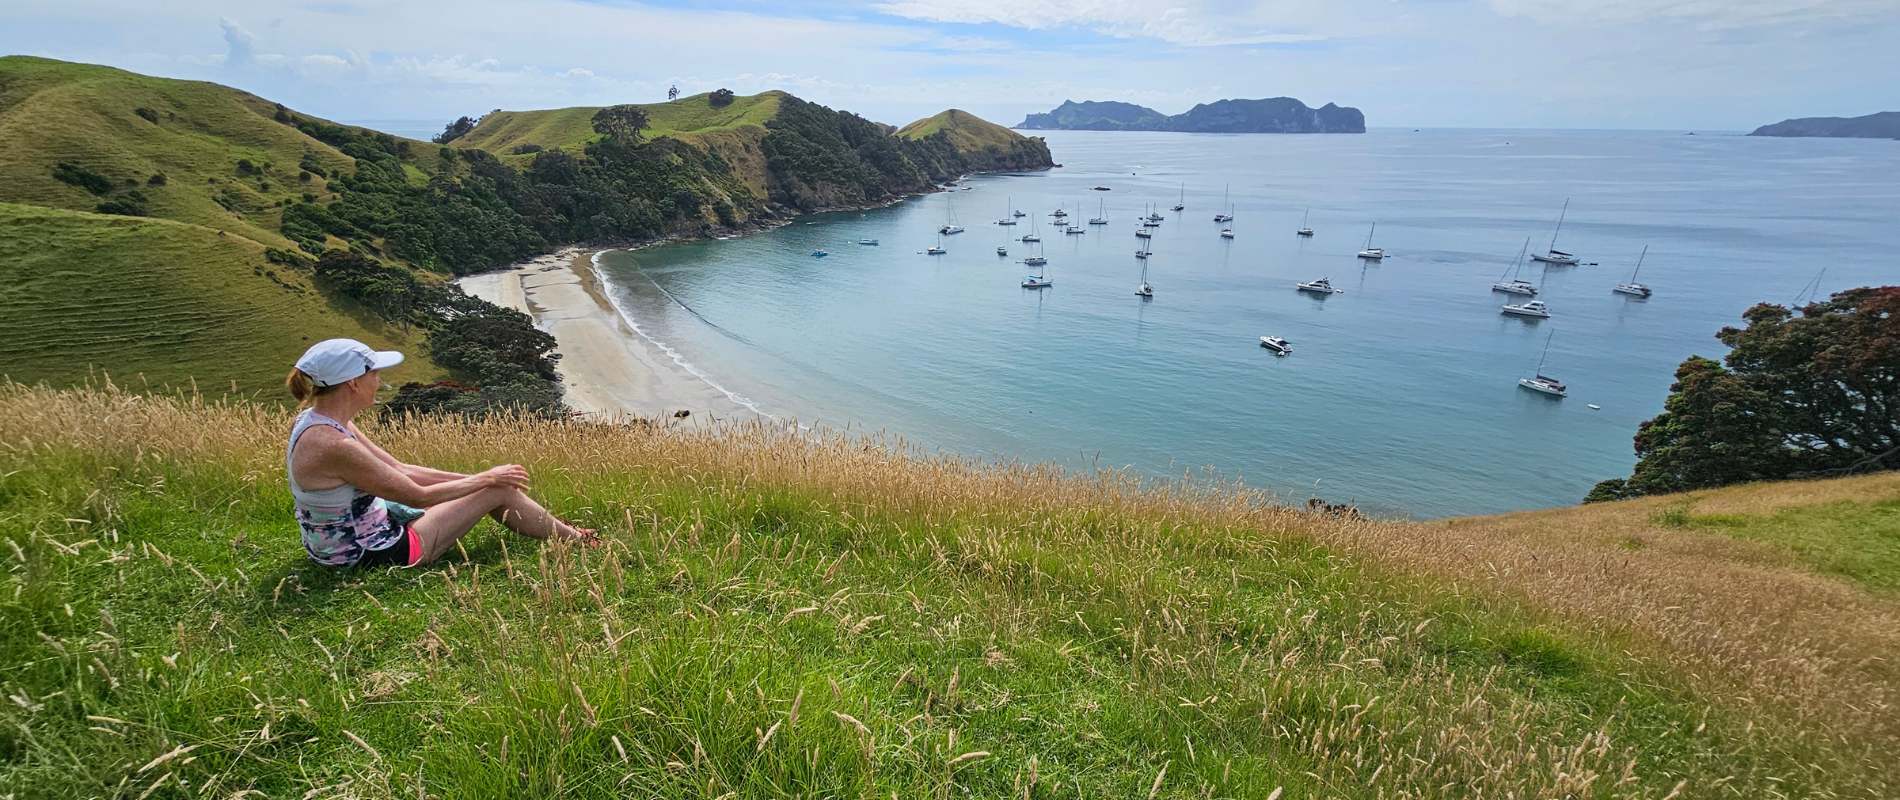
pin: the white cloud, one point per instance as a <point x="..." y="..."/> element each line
<point x="239" y="44"/>
<point x="1705" y="14"/>
<point x="578" y="72"/>
<point x="1199" y="24"/>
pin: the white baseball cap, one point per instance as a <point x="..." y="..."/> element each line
<point x="333" y="361"/>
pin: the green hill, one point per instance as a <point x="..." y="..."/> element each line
<point x="688" y="118"/>
<point x="981" y="144"/>
<point x="186" y="291"/>
<point x="793" y="615"/>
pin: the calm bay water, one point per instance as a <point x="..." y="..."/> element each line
<point x="1401" y="394"/>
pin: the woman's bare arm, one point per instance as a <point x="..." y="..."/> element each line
<point x="424" y="476"/>
<point x="351" y="462"/>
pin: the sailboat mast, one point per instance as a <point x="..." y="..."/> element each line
<point x="1546" y="355"/>
<point x="1560" y="224"/>
<point x="1639" y="264"/>
<point x="1517" y="267"/>
<point x="1375" y="226"/>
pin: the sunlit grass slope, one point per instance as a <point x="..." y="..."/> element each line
<point x="158" y="302"/>
<point x="968" y="132"/>
<point x="820" y="617"/>
<point x="688" y="118"/>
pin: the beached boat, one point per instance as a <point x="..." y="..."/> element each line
<point x="1371" y="253"/>
<point x="1534" y="309"/>
<point x="1278" y="345"/>
<point x="1556" y="256"/>
<point x="1539" y="382"/>
<point x="1516" y="285"/>
<point x="1633" y="288"/>
<point x="1321" y="286"/>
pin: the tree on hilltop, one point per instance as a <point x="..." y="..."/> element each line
<point x="621" y="124"/>
<point x="455" y="130"/>
<point x="1797" y="396"/>
<point x="720" y="98"/>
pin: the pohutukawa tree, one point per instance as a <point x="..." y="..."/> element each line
<point x="1805" y="395"/>
<point x="621" y="124"/>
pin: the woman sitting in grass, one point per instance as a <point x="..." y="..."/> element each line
<point x="360" y="506"/>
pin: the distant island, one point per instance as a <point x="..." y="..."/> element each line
<point x="1882" y="125"/>
<point x="1269" y="115"/>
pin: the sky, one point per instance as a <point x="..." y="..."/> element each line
<point x="1654" y="64"/>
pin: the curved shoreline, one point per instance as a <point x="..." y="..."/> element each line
<point x="610" y="371"/>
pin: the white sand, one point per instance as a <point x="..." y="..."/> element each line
<point x="609" y="371"/>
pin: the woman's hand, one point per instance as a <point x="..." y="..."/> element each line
<point x="509" y="476"/>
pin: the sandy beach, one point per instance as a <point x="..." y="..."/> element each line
<point x="609" y="371"/>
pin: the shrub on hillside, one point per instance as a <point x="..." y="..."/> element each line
<point x="147" y="114"/>
<point x="130" y="204"/>
<point x="1797" y="396"/>
<point x="455" y="130"/>
<point x="76" y="175"/>
<point x="390" y="292"/>
<point x="157" y="179"/>
<point x="245" y="167"/>
<point x="720" y="98"/>
<point x="524" y="149"/>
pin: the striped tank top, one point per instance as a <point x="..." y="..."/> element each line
<point x="342" y="522"/>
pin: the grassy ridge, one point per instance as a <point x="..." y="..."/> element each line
<point x="814" y="617"/>
<point x="170" y="302"/>
<point x="688" y="118"/>
<point x="968" y="132"/>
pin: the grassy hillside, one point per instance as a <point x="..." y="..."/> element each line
<point x="979" y="143"/>
<point x="777" y="616"/>
<point x="161" y="302"/>
<point x="688" y="118"/>
<point x="185" y="290"/>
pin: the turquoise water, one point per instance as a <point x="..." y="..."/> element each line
<point x="1402" y="392"/>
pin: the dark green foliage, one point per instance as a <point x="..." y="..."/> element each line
<point x="76" y="175"/>
<point x="157" y="179"/>
<point x="1813" y="395"/>
<point x="720" y="98"/>
<point x="455" y="130"/>
<point x="817" y="157"/>
<point x="147" y="114"/>
<point x="245" y="167"/>
<point x="130" y="203"/>
<point x="621" y="123"/>
<point x="525" y="148"/>
<point x="1612" y="489"/>
<point x="310" y="164"/>
<point x="392" y="293"/>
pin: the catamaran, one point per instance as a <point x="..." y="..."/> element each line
<point x="1534" y="308"/>
<point x="1181" y="202"/>
<point x="1372" y="253"/>
<point x="1516" y="285"/>
<point x="1541" y="382"/>
<point x="1228" y="215"/>
<point x="1031" y="237"/>
<point x="1321" y="286"/>
<point x="1633" y="288"/>
<point x="1039" y="280"/>
<point x="1556" y="256"/>
<point x="1304" y="231"/>
<point x="1227" y="233"/>
<point x="950" y="225"/>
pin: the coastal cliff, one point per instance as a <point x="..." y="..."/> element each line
<point x="1268" y="115"/>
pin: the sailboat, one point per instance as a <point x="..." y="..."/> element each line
<point x="1101" y="214"/>
<point x="1143" y="289"/>
<point x="1001" y="251"/>
<point x="1031" y="236"/>
<point x="1181" y="203"/>
<point x="1541" y="382"/>
<point x="936" y="249"/>
<point x="1304" y="231"/>
<point x="950" y="226"/>
<point x="1073" y="228"/>
<point x="1556" y="256"/>
<point x="1371" y="253"/>
<point x="1633" y="288"/>
<point x="1144" y="251"/>
<point x="1039" y="280"/>
<point x="1228" y="215"/>
<point x="1516" y="285"/>
<point x="1010" y="218"/>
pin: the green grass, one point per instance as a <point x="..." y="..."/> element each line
<point x="776" y="617"/>
<point x="160" y="302"/>
<point x="1855" y="540"/>
<point x="687" y="118"/>
<point x="968" y="132"/>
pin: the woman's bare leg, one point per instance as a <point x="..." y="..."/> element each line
<point x="446" y="523"/>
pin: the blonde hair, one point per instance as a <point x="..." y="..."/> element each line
<point x="303" y="388"/>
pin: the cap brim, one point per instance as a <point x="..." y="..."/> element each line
<point x="384" y="359"/>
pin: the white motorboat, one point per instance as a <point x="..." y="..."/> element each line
<point x="1516" y="285"/>
<point x="819" y="254"/>
<point x="1556" y="256"/>
<point x="1304" y="231"/>
<point x="1006" y="221"/>
<point x="1321" y="286"/>
<point x="1227" y="233"/>
<point x="1539" y="382"/>
<point x="1037" y="282"/>
<point x="1035" y="261"/>
<point x="1001" y="250"/>
<point x="948" y="230"/>
<point x="1633" y="288"/>
<point x="1534" y="308"/>
<point x="868" y="242"/>
<point x="1371" y="253"/>
<point x="1074" y="229"/>
<point x="1030" y="238"/>
<point x="1278" y="345"/>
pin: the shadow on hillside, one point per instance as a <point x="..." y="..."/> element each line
<point x="294" y="588"/>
